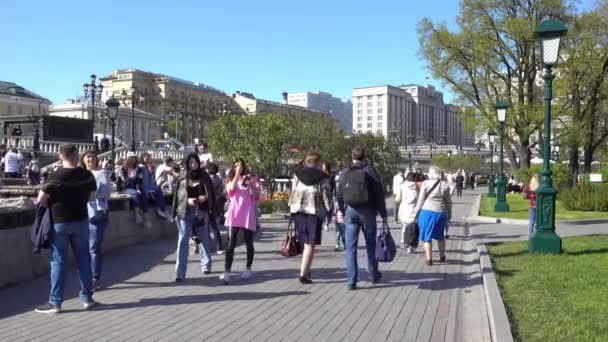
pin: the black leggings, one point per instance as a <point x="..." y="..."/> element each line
<point x="232" y="245"/>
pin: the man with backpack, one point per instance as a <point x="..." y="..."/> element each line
<point x="360" y="198"/>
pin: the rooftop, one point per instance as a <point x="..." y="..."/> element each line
<point x="13" y="89"/>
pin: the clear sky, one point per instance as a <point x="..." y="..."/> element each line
<point x="263" y="47"/>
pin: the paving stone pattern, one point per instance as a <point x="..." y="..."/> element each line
<point x="414" y="302"/>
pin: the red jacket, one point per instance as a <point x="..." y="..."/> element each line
<point x="530" y="195"/>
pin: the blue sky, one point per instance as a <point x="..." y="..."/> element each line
<point x="263" y="47"/>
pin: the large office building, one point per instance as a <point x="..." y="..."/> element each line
<point x="411" y="114"/>
<point x="250" y="104"/>
<point x="194" y="104"/>
<point x="341" y="110"/>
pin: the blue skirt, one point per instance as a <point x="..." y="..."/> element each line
<point x="431" y="225"/>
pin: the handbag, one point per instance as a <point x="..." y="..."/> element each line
<point x="385" y="245"/>
<point x="291" y="245"/>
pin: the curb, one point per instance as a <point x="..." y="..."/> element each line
<point x="500" y="328"/>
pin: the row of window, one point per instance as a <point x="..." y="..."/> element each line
<point x="369" y="97"/>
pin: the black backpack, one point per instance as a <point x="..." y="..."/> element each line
<point x="356" y="189"/>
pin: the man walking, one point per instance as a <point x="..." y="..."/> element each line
<point x="66" y="194"/>
<point x="459" y="184"/>
<point x="360" y="198"/>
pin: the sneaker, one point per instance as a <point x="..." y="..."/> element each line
<point x="447" y="236"/>
<point x="138" y="219"/>
<point x="225" y="278"/>
<point x="178" y="280"/>
<point x="442" y="258"/>
<point x="352" y="287"/>
<point x="220" y="252"/>
<point x="410" y="250"/>
<point x="325" y="226"/>
<point x="337" y="248"/>
<point x="89" y="304"/>
<point x="49" y="308"/>
<point x="206" y="270"/>
<point x="246" y="274"/>
<point x="377" y="278"/>
<point x="429" y="262"/>
<point x="304" y="280"/>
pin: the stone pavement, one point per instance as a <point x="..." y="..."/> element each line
<point x="414" y="302"/>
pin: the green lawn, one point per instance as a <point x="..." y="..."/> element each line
<point x="519" y="209"/>
<point x="555" y="297"/>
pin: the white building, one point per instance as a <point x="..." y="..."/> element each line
<point x="339" y="109"/>
<point x="411" y="114"/>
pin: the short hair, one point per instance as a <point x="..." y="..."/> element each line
<point x="212" y="168"/>
<point x="312" y="157"/>
<point x="358" y="153"/>
<point x="168" y="159"/>
<point x="69" y="151"/>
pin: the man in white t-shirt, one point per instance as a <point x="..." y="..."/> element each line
<point x="12" y="163"/>
<point x="397" y="181"/>
<point x="206" y="156"/>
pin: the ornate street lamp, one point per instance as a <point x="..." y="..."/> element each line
<point x="92" y="93"/>
<point x="501" y="202"/>
<point x="544" y="239"/>
<point x="135" y="98"/>
<point x="492" y="136"/>
<point x="113" y="105"/>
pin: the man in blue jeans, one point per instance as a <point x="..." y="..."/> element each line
<point x="66" y="194"/>
<point x="360" y="198"/>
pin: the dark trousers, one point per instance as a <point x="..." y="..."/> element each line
<point x="459" y="190"/>
<point x="216" y="231"/>
<point x="232" y="239"/>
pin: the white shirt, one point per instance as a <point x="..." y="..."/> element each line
<point x="12" y="161"/>
<point x="205" y="158"/>
<point x="397" y="181"/>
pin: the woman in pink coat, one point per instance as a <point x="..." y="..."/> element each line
<point x="244" y="191"/>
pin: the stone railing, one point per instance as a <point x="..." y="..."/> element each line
<point x="155" y="153"/>
<point x="45" y="146"/>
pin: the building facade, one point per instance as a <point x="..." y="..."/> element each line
<point x="16" y="100"/>
<point x="341" y="110"/>
<point x="411" y="115"/>
<point x="193" y="106"/>
<point x="249" y="104"/>
<point x="147" y="125"/>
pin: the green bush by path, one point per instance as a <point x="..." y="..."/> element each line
<point x="562" y="179"/>
<point x="519" y="210"/>
<point x="582" y="197"/>
<point x="555" y="297"/>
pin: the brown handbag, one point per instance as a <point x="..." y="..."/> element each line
<point x="291" y="245"/>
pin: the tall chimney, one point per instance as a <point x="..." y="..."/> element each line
<point x="284" y="95"/>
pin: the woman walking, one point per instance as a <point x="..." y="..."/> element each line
<point x="309" y="204"/>
<point x="193" y="200"/>
<point x="98" y="213"/>
<point x="434" y="208"/>
<point x="244" y="192"/>
<point x="530" y="195"/>
<point x="407" y="196"/>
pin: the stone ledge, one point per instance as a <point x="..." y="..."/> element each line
<point x="500" y="328"/>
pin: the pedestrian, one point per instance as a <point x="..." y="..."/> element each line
<point x="326" y="168"/>
<point x="220" y="199"/>
<point x="444" y="178"/>
<point x="451" y="182"/>
<point x="340" y="227"/>
<point x="33" y="169"/>
<point x="360" y="199"/>
<point x="530" y="195"/>
<point x="130" y="179"/>
<point x="433" y="210"/>
<point x="104" y="144"/>
<point x="12" y="163"/>
<point x="459" y="184"/>
<point x="163" y="173"/>
<point x="397" y="181"/>
<point x="66" y="194"/>
<point x="407" y="196"/>
<point x="193" y="200"/>
<point x="96" y="145"/>
<point x="151" y="188"/>
<point x="244" y="192"/>
<point x="98" y="210"/>
<point x="205" y="156"/>
<point x="309" y="205"/>
<point x="472" y="181"/>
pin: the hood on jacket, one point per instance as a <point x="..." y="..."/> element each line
<point x="409" y="185"/>
<point x="310" y="175"/>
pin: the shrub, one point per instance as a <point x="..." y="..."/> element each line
<point x="272" y="206"/>
<point x="266" y="206"/>
<point x="581" y="198"/>
<point x="562" y="179"/>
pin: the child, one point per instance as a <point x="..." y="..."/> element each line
<point x="33" y="169"/>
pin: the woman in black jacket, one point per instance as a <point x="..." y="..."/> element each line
<point x="193" y="199"/>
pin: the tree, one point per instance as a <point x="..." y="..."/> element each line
<point x="493" y="56"/>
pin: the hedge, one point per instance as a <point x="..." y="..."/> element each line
<point x="581" y="198"/>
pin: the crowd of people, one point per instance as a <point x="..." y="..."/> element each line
<point x="77" y="195"/>
<point x="13" y="164"/>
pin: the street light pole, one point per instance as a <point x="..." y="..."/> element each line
<point x="92" y="92"/>
<point x="113" y="105"/>
<point x="544" y="239"/>
<point x="501" y="202"/>
<point x="492" y="136"/>
<point x="133" y="99"/>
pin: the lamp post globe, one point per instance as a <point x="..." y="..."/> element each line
<point x="544" y="239"/>
<point x="113" y="105"/>
<point x="501" y="184"/>
<point x="492" y="137"/>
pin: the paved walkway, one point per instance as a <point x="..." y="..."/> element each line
<point x="414" y="302"/>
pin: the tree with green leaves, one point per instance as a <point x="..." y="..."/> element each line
<point x="493" y="56"/>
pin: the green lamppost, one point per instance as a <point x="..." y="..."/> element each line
<point x="544" y="239"/>
<point x="113" y="105"/>
<point x="501" y="184"/>
<point x="492" y="137"/>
